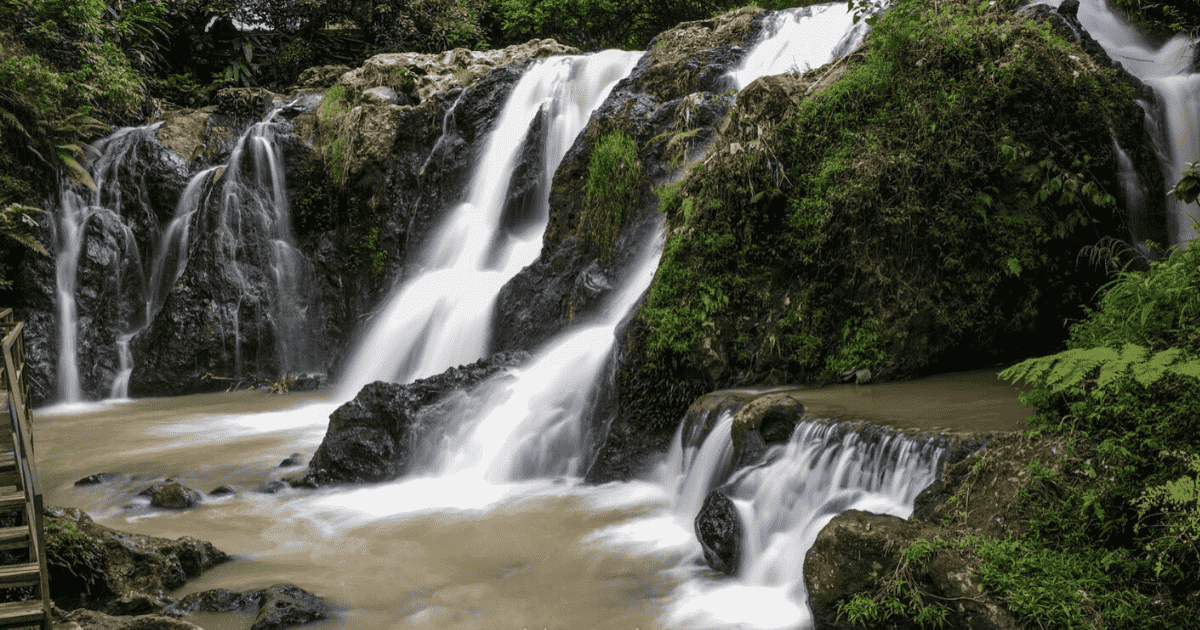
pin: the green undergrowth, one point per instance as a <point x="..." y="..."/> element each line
<point x="1164" y="17"/>
<point x="1109" y="533"/>
<point x="612" y="187"/>
<point x="927" y="208"/>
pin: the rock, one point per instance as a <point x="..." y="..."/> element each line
<point x="223" y="491"/>
<point x="174" y="496"/>
<point x="97" y="479"/>
<point x="383" y="95"/>
<point x="371" y="438"/>
<point x="273" y="487"/>
<point x="856" y="548"/>
<point x="286" y="605"/>
<point x="93" y="620"/>
<point x="187" y="133"/>
<point x="295" y="459"/>
<point x="433" y="73"/>
<point x="116" y="572"/>
<point x="278" y="606"/>
<point x="767" y="419"/>
<point x="321" y="77"/>
<point x="848" y="552"/>
<point x="719" y="530"/>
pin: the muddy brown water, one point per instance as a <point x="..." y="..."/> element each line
<point x="422" y="553"/>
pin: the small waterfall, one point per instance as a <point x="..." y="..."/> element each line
<point x="113" y="156"/>
<point x="246" y="226"/>
<point x="441" y="317"/>
<point x="800" y="39"/>
<point x="537" y="430"/>
<point x="1172" y="121"/>
<point x="825" y="469"/>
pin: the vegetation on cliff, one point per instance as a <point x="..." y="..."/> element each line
<point x="928" y="197"/>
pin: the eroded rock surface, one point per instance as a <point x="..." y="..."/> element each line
<point x="374" y="437"/>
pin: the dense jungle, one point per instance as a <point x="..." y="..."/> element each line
<point x="573" y="268"/>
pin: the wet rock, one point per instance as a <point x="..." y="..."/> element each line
<point x="279" y="606"/>
<point x="856" y="548"/>
<point x="852" y="548"/>
<point x="93" y="620"/>
<point x="372" y="437"/>
<point x="719" y="530"/>
<point x="223" y="491"/>
<point x="383" y="95"/>
<point x="433" y="73"/>
<point x="765" y="420"/>
<point x="116" y="572"/>
<point x="273" y="487"/>
<point x="187" y="133"/>
<point x="295" y="459"/>
<point x="174" y="496"/>
<point x="97" y="479"/>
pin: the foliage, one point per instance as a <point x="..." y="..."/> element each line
<point x="596" y="24"/>
<point x="331" y="117"/>
<point x="612" y="187"/>
<point x="1188" y="188"/>
<point x="1164" y="16"/>
<point x="80" y="555"/>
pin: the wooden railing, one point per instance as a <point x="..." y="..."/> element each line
<point x="28" y="501"/>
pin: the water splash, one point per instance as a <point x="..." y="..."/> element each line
<point x="800" y="39"/>
<point x="826" y="468"/>
<point x="441" y="317"/>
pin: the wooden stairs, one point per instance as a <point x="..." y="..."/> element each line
<point x="24" y="581"/>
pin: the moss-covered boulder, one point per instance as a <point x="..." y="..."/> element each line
<point x="92" y="566"/>
<point x="918" y="205"/>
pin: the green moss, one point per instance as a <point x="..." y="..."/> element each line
<point x="931" y="197"/>
<point x="612" y="188"/>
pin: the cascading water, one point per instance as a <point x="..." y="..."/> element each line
<point x="784" y="502"/>
<point x="800" y="39"/>
<point x="441" y="317"/>
<point x="247" y="222"/>
<point x="113" y="156"/>
<point x="1166" y="67"/>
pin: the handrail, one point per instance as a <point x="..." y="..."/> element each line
<point x="20" y="413"/>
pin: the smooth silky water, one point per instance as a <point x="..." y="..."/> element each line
<point x="535" y="554"/>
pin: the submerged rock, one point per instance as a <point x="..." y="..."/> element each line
<point x="279" y="606"/>
<point x="174" y="496"/>
<point x="94" y="620"/>
<point x="97" y="479"/>
<point x="372" y="438"/>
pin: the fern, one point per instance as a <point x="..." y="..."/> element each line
<point x="1069" y="370"/>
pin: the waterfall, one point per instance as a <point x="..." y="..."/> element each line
<point x="246" y="220"/>
<point x="113" y="156"/>
<point x="1172" y="120"/>
<point x="441" y="317"/>
<point x="784" y="502"/>
<point x="800" y="39"/>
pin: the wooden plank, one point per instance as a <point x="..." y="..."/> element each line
<point x="18" y="575"/>
<point x="21" y="613"/>
<point x="12" y="501"/>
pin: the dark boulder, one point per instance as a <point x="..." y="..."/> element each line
<point x="719" y="530"/>
<point x="223" y="491"/>
<point x="116" y="572"/>
<point x="97" y="479"/>
<point x="766" y="420"/>
<point x="173" y="495"/>
<point x="276" y="607"/>
<point x="372" y="437"/>
<point x="295" y="459"/>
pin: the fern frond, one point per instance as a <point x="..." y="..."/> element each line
<point x="30" y="242"/>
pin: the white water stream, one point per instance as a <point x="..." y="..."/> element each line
<point x="1173" y="120"/>
<point x="442" y="317"/>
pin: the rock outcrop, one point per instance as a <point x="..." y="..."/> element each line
<point x="114" y="572"/>
<point x="274" y="608"/>
<point x="375" y="437"/>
